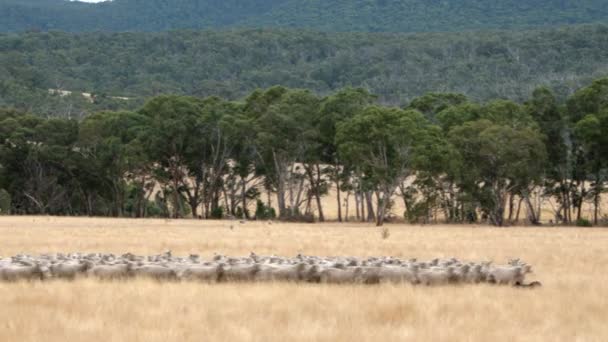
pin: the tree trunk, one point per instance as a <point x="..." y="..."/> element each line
<point x="497" y="214"/>
<point x="532" y="216"/>
<point x="175" y="199"/>
<point x="193" y="203"/>
<point x="371" y="217"/>
<point x="596" y="207"/>
<point x="319" y="207"/>
<point x="357" y="206"/>
<point x="382" y="209"/>
<point x="518" y="209"/>
<point x="346" y="202"/>
<point x="244" y="198"/>
<point x="338" y="196"/>
<point x="511" y="205"/>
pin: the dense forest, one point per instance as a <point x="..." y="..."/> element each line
<point x="231" y="64"/>
<point x="325" y="15"/>
<point x="444" y="155"/>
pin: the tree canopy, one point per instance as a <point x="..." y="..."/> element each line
<point x="444" y="155"/>
<point x="46" y="73"/>
<point x="326" y="15"/>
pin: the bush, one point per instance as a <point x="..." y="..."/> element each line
<point x="418" y="213"/>
<point x="153" y="210"/>
<point x="296" y="216"/>
<point x="217" y="213"/>
<point x="5" y="202"/>
<point x="583" y="223"/>
<point x="239" y="212"/>
<point x="264" y="212"/>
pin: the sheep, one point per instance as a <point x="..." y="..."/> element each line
<point x="461" y="274"/>
<point x="436" y="276"/>
<point x="240" y="273"/>
<point x="506" y="275"/>
<point x="281" y="273"/>
<point x="15" y="273"/>
<point x="475" y="275"/>
<point x="118" y="271"/>
<point x="392" y="274"/>
<point x="194" y="258"/>
<point x="301" y="268"/>
<point x="311" y="274"/>
<point x="341" y="276"/>
<point x="157" y="272"/>
<point x="68" y="270"/>
<point x="203" y="273"/>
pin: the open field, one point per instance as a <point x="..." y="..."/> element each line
<point x="572" y="305"/>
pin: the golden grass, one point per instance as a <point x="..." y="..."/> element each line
<point x="571" y="306"/>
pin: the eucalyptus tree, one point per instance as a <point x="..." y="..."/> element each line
<point x="215" y="138"/>
<point x="337" y="108"/>
<point x="380" y="141"/>
<point x="431" y="104"/>
<point x="591" y="134"/>
<point x="285" y="136"/>
<point x="591" y="100"/>
<point x="168" y="140"/>
<point x="557" y="138"/>
<point x="112" y="158"/>
<point x="496" y="159"/>
<point x="36" y="155"/>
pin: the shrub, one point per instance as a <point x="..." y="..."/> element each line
<point x="290" y="215"/>
<point x="583" y="223"/>
<point x="264" y="212"/>
<point x="5" y="202"/>
<point x="217" y="213"/>
<point x="386" y="233"/>
<point x="239" y="212"/>
<point x="418" y="213"/>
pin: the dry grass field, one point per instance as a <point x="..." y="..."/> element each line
<point x="572" y="305"/>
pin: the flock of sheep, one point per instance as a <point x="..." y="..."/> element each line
<point x="254" y="268"/>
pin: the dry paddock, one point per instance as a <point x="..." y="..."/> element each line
<point x="572" y="305"/>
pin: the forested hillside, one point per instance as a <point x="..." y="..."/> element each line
<point x="396" y="67"/>
<point x="329" y="15"/>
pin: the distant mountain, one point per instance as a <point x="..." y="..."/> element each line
<point x="322" y="15"/>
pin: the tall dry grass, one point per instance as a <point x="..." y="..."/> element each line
<point x="571" y="306"/>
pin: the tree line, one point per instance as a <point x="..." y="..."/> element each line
<point x="442" y="155"/>
<point x="231" y="64"/>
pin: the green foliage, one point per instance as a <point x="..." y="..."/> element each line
<point x="232" y="64"/>
<point x="5" y="202"/>
<point x="379" y="141"/>
<point x="179" y="154"/>
<point x="583" y="223"/>
<point x="217" y="213"/>
<point x="239" y="212"/>
<point x="294" y="215"/>
<point x="327" y="15"/>
<point x="588" y="100"/>
<point x="263" y="212"/>
<point x="418" y="213"/>
<point x="495" y="160"/>
<point x="433" y="103"/>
